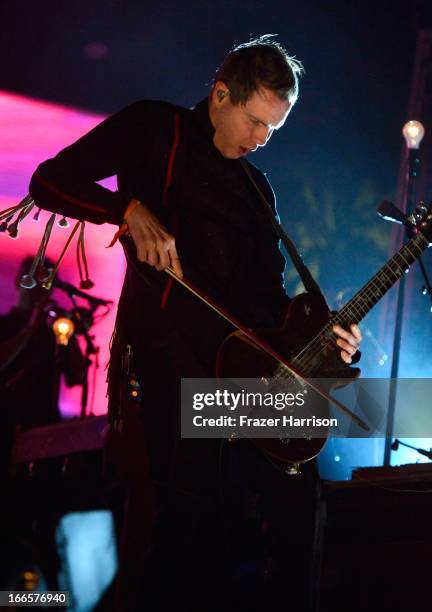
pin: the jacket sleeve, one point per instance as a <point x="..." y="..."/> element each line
<point x="68" y="183"/>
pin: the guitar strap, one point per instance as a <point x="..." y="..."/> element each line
<point x="306" y="277"/>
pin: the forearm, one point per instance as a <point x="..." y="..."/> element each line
<point x="69" y="183"/>
<point x="57" y="188"/>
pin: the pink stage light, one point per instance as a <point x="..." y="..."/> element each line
<point x="31" y="131"/>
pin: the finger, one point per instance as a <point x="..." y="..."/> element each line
<point x="356" y="332"/>
<point x="346" y="357"/>
<point x="141" y="252"/>
<point x="152" y="256"/>
<point x="164" y="260"/>
<point x="349" y="348"/>
<point x="143" y="245"/>
<point x="340" y="331"/>
<point x="345" y="335"/>
<point x="175" y="261"/>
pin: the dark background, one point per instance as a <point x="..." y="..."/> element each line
<point x="338" y="154"/>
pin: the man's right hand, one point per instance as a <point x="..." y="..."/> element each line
<point x="154" y="244"/>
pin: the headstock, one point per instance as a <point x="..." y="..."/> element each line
<point x="421" y="218"/>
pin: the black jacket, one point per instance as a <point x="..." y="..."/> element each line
<point x="223" y="235"/>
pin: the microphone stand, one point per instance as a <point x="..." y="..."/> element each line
<point x="84" y="324"/>
<point x="421" y="451"/>
<point x="413" y="165"/>
<point x="91" y="349"/>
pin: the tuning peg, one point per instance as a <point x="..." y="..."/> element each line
<point x="420" y="211"/>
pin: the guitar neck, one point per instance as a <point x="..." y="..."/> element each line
<point x="359" y="306"/>
<point x="314" y="353"/>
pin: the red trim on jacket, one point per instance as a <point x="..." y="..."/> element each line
<point x="173" y="152"/>
<point x="66" y="197"/>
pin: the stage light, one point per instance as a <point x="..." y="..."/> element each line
<point x="413" y="132"/>
<point x="63" y="329"/>
<point x="87" y="548"/>
<point x="32" y="130"/>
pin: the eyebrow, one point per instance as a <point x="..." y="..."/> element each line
<point x="257" y="119"/>
<point x="271" y="127"/>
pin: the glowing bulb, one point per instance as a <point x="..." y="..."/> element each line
<point x="413" y="132"/>
<point x="63" y="329"/>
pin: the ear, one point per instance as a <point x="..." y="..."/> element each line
<point x="220" y="93"/>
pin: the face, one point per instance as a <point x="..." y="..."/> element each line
<point x="241" y="129"/>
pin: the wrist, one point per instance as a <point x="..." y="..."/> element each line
<point x="124" y="227"/>
<point x="133" y="204"/>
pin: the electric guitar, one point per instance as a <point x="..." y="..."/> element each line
<point x="307" y="343"/>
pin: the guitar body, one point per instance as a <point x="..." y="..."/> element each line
<point x="239" y="357"/>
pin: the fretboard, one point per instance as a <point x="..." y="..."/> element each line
<point x="310" y="358"/>
<point x="365" y="299"/>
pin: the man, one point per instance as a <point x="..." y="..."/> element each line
<point x="186" y="201"/>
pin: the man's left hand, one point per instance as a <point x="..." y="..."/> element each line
<point x="348" y="341"/>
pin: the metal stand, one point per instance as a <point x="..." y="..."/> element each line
<point x="413" y="166"/>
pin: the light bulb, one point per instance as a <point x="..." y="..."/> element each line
<point x="63" y="329"/>
<point x="413" y="132"/>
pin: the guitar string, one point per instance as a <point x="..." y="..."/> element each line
<point x="317" y="346"/>
<point x="311" y="351"/>
<point x="318" y="340"/>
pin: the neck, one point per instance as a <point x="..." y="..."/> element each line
<point x="212" y="113"/>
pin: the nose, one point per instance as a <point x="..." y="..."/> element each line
<point x="263" y="135"/>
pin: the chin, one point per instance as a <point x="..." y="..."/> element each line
<point x="231" y="155"/>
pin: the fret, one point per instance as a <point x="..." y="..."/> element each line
<point x="408" y="263"/>
<point x="395" y="272"/>
<point x="412" y="255"/>
<point x="310" y="358"/>
<point x="358" y="307"/>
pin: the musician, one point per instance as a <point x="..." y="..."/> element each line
<point x="185" y="200"/>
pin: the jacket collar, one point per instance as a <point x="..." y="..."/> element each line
<point x="202" y="117"/>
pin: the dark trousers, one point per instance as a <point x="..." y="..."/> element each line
<point x="228" y="526"/>
<point x="246" y="539"/>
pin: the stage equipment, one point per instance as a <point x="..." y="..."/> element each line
<point x="377" y="534"/>
<point x="297" y="355"/>
<point x="421" y="451"/>
<point x="63" y="329"/>
<point x="413" y="132"/>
